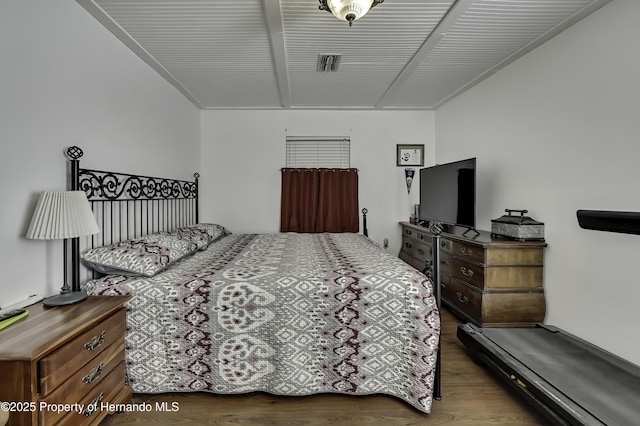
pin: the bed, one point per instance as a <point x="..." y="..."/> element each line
<point x="222" y="312"/>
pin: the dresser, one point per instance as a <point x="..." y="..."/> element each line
<point x="491" y="282"/>
<point x="59" y="365"/>
<point x="417" y="247"/>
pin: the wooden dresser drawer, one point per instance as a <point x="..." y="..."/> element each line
<point x="417" y="249"/>
<point x="420" y="265"/>
<point x="416" y="234"/>
<point x="462" y="297"/>
<point x="470" y="252"/>
<point x="494" y="309"/>
<point x="496" y="277"/>
<point x="58" y="366"/>
<point x="513" y="309"/>
<point x="491" y="277"/>
<point x="468" y="272"/>
<point x="496" y="254"/>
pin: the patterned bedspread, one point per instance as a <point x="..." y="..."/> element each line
<point x="288" y="314"/>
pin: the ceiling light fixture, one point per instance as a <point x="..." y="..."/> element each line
<point x="348" y="10"/>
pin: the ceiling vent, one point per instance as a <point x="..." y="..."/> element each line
<point x="328" y="63"/>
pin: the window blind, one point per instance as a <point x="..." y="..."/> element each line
<point x="318" y="152"/>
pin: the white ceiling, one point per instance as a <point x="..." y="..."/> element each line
<point x="262" y="54"/>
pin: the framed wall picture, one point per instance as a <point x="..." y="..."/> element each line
<point x="410" y="155"/>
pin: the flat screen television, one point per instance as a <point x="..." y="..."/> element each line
<point x="448" y="193"/>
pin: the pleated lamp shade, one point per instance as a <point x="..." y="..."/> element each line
<point x="60" y="215"/>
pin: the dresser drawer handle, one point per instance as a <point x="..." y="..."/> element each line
<point x="407" y="231"/>
<point x="95" y="342"/>
<point x="421" y="237"/>
<point x="93" y="406"/>
<point x="466" y="251"/>
<point x="408" y="245"/>
<point x="93" y="374"/>
<point x="466" y="271"/>
<point x="420" y="251"/>
<point x="461" y="298"/>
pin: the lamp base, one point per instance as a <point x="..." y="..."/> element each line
<point x="65" y="298"/>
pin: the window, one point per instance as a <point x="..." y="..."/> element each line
<point x="319" y="189"/>
<point x="309" y="152"/>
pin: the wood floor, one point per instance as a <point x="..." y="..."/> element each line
<point x="471" y="396"/>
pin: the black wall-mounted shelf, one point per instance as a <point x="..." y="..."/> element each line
<point x="612" y="221"/>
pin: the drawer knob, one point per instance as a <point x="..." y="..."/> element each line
<point x="408" y="245"/>
<point x="95" y="342"/>
<point x="93" y="406"/>
<point x="407" y="231"/>
<point x="420" y="251"/>
<point x="466" y="271"/>
<point x="462" y="298"/>
<point x="466" y="251"/>
<point x="93" y="374"/>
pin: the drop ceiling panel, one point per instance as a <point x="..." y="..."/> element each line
<point x="403" y="54"/>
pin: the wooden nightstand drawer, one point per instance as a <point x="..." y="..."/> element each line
<point x="105" y="392"/>
<point x="59" y="365"/>
<point x="84" y="380"/>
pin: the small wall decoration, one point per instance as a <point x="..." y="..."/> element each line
<point x="408" y="175"/>
<point x="410" y="155"/>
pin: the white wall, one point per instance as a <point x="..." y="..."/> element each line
<point x="65" y="80"/>
<point x="243" y="151"/>
<point x="558" y="131"/>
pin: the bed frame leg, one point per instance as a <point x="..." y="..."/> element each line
<point x="365" y="231"/>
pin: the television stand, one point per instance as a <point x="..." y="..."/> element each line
<point x="484" y="280"/>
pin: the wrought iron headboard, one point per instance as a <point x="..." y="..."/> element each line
<point x="128" y="206"/>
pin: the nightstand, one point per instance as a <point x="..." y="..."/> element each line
<point x="65" y="355"/>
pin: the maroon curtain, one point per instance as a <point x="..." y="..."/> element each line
<point x="299" y="200"/>
<point x="319" y="200"/>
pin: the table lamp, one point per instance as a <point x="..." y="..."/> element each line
<point x="60" y="215"/>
